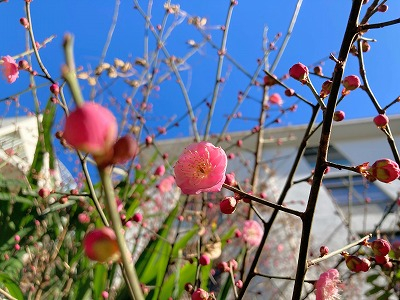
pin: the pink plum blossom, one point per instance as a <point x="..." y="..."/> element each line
<point x="201" y="168"/>
<point x="276" y="99"/>
<point x="91" y="128"/>
<point x="326" y="287"/>
<point x="101" y="245"/>
<point x="166" y="184"/>
<point x="10" y="68"/>
<point x="252" y="232"/>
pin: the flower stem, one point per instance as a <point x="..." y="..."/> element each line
<point x="134" y="284"/>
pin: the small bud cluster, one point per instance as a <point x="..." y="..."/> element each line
<point x="380" y="249"/>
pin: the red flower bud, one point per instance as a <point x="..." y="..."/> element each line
<point x="200" y="294"/>
<point x="356" y="264"/>
<point x="326" y="88"/>
<point x="380" y="247"/>
<point x="381" y="120"/>
<point x="125" y="149"/>
<point x="381" y="260"/>
<point x="55" y="89"/>
<point x="299" y="72"/>
<point x="338" y="115"/>
<point x="350" y="83"/>
<point x="204" y="260"/>
<point x="383" y="8"/>
<point x="289" y="92"/>
<point x="101" y="245"/>
<point x="385" y="170"/>
<point x="228" y="205"/>
<point x="324" y="250"/>
<point x="269" y="81"/>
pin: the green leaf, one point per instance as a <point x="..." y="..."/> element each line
<point x="147" y="264"/>
<point x="183" y="241"/>
<point x="372" y="277"/>
<point x="44" y="142"/>
<point x="186" y="274"/>
<point x="384" y="296"/>
<point x="99" y="280"/>
<point x="11" y="286"/>
<point x="374" y="290"/>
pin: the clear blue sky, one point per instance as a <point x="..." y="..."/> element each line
<point x="318" y="32"/>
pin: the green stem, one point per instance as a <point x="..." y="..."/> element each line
<point x="68" y="70"/>
<point x="116" y="224"/>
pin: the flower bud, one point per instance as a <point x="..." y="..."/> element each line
<point x="204" y="260"/>
<point x="200" y="294"/>
<point x="23" y="65"/>
<point x="356" y="264"/>
<point x="44" y="193"/>
<point x="385" y="170"/>
<point x="324" y="250"/>
<point x="289" y="92"/>
<point x="125" y="149"/>
<point x="91" y="128"/>
<point x="101" y="245"/>
<point x="380" y="247"/>
<point x="326" y="89"/>
<point x="160" y="171"/>
<point x="228" y="205"/>
<point x="350" y="83"/>
<point x="55" y="89"/>
<point x="299" y="72"/>
<point x="230" y="179"/>
<point x="381" y="120"/>
<point x="24" y="22"/>
<point x="365" y="46"/>
<point x="381" y="259"/>
<point x="383" y="8"/>
<point x="137" y="217"/>
<point x="269" y="81"/>
<point x="338" y="115"/>
<point x="318" y="70"/>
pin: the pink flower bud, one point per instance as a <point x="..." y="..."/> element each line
<point x="10" y="69"/>
<point x="233" y="264"/>
<point x="17" y="247"/>
<point x="17" y="238"/>
<point x="338" y="115"/>
<point x="269" y="81"/>
<point x="55" y="89"/>
<point x="230" y="179"/>
<point x="299" y="72"/>
<point x="200" y="294"/>
<point x="383" y="8"/>
<point x="289" y="92"/>
<point x="381" y="259"/>
<point x="276" y="99"/>
<point x="350" y="83"/>
<point x="318" y="70"/>
<point x="101" y="245"/>
<point x="223" y="266"/>
<point x="324" y="250"/>
<point x="160" y="171"/>
<point x="365" y="46"/>
<point x="104" y="294"/>
<point x="24" y="22"/>
<point x="204" y="260"/>
<point x="23" y="65"/>
<point x="83" y="218"/>
<point x="228" y="205"/>
<point x="326" y="88"/>
<point x="137" y="217"/>
<point x="381" y="120"/>
<point x="149" y="140"/>
<point x="91" y="128"/>
<point x="44" y="193"/>
<point x="385" y="170"/>
<point x="380" y="247"/>
<point x="239" y="284"/>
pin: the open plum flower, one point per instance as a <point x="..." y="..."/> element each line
<point x="326" y="287"/>
<point x="252" y="232"/>
<point x="10" y="69"/>
<point x="201" y="168"/>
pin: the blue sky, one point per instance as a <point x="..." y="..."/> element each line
<point x="318" y="32"/>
